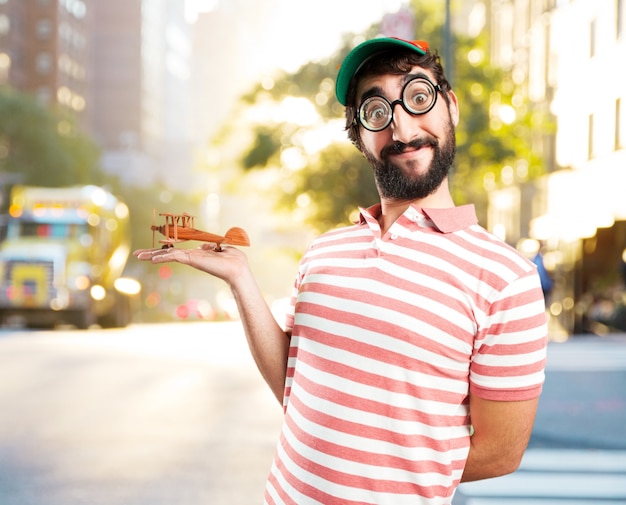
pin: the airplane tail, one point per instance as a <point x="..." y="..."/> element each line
<point x="237" y="236"/>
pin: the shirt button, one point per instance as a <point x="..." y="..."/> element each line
<point x="394" y="236"/>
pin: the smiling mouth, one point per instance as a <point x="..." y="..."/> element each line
<point x="399" y="148"/>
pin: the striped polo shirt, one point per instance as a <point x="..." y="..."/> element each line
<point x="389" y="336"/>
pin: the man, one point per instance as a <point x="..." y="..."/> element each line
<point x="414" y="355"/>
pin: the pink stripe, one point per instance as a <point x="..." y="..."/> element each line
<point x="375" y="484"/>
<point x="374" y="407"/>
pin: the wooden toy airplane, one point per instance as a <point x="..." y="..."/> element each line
<point x="180" y="227"/>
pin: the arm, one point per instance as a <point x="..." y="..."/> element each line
<point x="501" y="433"/>
<point x="269" y="344"/>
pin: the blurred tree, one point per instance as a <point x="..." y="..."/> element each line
<point x="496" y="127"/>
<point x="43" y="146"/>
<point x="493" y="137"/>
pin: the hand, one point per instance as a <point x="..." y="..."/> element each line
<point x="227" y="264"/>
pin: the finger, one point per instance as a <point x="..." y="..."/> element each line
<point x="151" y="254"/>
<point x="140" y="251"/>
<point x="143" y="254"/>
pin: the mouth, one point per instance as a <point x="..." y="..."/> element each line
<point x="400" y="148"/>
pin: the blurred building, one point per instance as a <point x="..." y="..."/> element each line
<point x="567" y="57"/>
<point x="227" y="40"/>
<point x="123" y="67"/>
<point x="45" y="50"/>
<point x="141" y="81"/>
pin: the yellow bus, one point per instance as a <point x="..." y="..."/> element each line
<point x="63" y="257"/>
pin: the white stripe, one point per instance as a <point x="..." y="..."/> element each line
<point x="349" y="493"/>
<point x="305" y="477"/>
<point x="524" y="336"/>
<point x="484" y="240"/>
<point x="504" y="360"/>
<point x="518" y="314"/>
<point x="474" y="284"/>
<point x="374" y="447"/>
<point x="412" y="296"/>
<point x="371" y="365"/>
<point x="359" y="416"/>
<point x="405" y="321"/>
<point x="502" y="383"/>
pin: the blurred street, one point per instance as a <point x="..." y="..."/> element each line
<point x="577" y="453"/>
<point x="178" y="414"/>
<point x="155" y="414"/>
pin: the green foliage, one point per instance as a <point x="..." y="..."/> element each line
<point x="265" y="146"/>
<point x="43" y="147"/>
<point x="334" y="184"/>
<point x="486" y="144"/>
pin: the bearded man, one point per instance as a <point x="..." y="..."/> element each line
<point x="413" y="356"/>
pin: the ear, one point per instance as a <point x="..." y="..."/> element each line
<point x="453" y="107"/>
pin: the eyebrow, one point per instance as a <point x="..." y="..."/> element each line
<point x="373" y="91"/>
<point x="378" y="91"/>
<point x="409" y="77"/>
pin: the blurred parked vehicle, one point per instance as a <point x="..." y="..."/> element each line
<point x="63" y="258"/>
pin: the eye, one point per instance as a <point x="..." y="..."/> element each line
<point x="419" y="96"/>
<point x="419" y="99"/>
<point x="375" y="113"/>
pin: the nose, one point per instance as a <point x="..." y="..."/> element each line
<point x="403" y="124"/>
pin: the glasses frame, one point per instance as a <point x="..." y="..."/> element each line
<point x="392" y="105"/>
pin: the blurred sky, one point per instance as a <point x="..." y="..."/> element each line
<point x="285" y="41"/>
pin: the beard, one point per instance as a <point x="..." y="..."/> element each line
<point x="395" y="184"/>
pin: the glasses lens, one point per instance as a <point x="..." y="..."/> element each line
<point x="419" y="96"/>
<point x="375" y="113"/>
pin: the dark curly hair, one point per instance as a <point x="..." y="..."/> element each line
<point x="396" y="62"/>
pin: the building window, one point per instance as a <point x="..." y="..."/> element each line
<point x="590" y="138"/>
<point x="5" y="66"/>
<point x="618" y="124"/>
<point x="77" y="8"/>
<point x="592" y="39"/>
<point x="44" y="29"/>
<point x="5" y="24"/>
<point x="44" y="95"/>
<point x="43" y="63"/>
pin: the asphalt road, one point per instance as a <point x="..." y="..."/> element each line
<point x="583" y="404"/>
<point x="178" y="414"/>
<point x="577" y="452"/>
<point x="170" y="414"/>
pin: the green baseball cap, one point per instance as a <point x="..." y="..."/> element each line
<point x="355" y="59"/>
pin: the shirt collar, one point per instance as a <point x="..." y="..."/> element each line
<point x="446" y="220"/>
<point x="452" y="219"/>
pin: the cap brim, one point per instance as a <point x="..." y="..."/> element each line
<point x="360" y="54"/>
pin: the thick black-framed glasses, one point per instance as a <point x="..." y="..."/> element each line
<point x="419" y="96"/>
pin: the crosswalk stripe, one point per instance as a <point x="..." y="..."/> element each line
<point x="546" y="485"/>
<point x="532" y="501"/>
<point x="572" y="460"/>
<point x="587" y="356"/>
<point x="554" y="477"/>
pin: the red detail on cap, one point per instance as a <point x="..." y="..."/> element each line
<point x="422" y="45"/>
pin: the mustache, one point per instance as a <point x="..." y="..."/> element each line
<point x="400" y="147"/>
